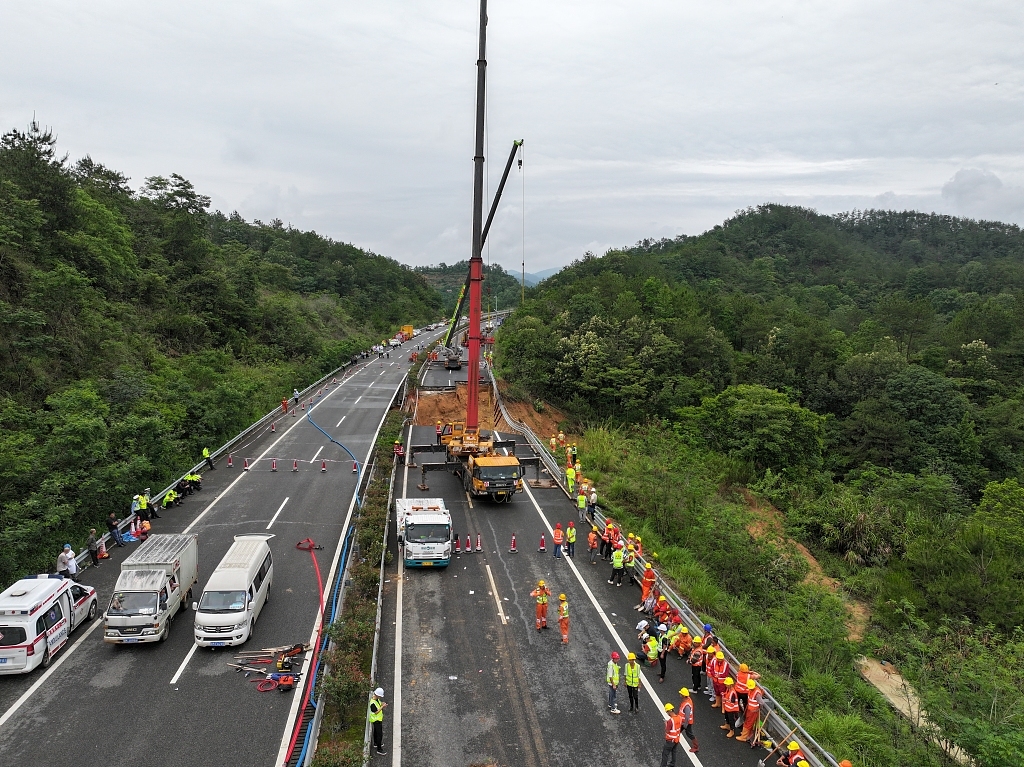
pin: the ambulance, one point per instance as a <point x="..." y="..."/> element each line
<point x="37" y="615"/>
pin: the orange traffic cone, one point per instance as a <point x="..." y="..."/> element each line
<point x="293" y="412"/>
<point x="478" y="546"/>
<point x="355" y="467"/>
<point x="103" y="550"/>
<point x="458" y="545"/>
<point x="273" y="427"/>
<point x="230" y="464"/>
<point x="295" y="464"/>
<point x="542" y="546"/>
<point x="133" y="529"/>
<point x="245" y="465"/>
<point x="323" y="465"/>
<point x="512" y="549"/>
<point x="302" y="405"/>
<point x="334" y="380"/>
<point x="469" y="546"/>
<point x="273" y="464"/>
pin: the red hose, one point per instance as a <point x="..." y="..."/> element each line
<point x="310" y="546"/>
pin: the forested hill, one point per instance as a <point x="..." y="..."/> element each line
<point x="864" y="375"/>
<point x="500" y="289"/>
<point x="136" y="327"/>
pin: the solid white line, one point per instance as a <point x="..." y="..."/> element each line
<point x="497" y="599"/>
<point x="306" y="662"/>
<point x="48" y="673"/>
<point x="274" y="518"/>
<point x="608" y="624"/>
<point x="360" y="397"/>
<point x="317" y="453"/>
<point x="341" y="421"/>
<point x="181" y="668"/>
<point x="469" y="500"/>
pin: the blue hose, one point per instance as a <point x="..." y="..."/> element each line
<point x="359" y="477"/>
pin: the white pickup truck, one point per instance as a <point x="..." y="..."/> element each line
<point x="424" y="531"/>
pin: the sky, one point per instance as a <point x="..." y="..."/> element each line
<point x="641" y="119"/>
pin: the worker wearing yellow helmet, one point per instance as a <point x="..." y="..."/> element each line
<point x="632" y="670"/>
<point x="592" y="544"/>
<point x="563" y="618"/>
<point x="673" y="731"/>
<point x="793" y="756"/>
<point x="647" y="581"/>
<point x="542" y="593"/>
<point x="437" y="430"/>
<point x="686" y="714"/>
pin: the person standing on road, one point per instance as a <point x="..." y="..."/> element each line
<point x="592" y="544"/>
<point x="72" y="563"/>
<point x="94" y="547"/>
<point x="62" y="561"/>
<point x="553" y="443"/>
<point x="753" y="711"/>
<point x="209" y="460"/>
<point x="563" y="618"/>
<point x="557" y="537"/>
<point x="618" y="566"/>
<point x="664" y="642"/>
<point x="686" y="712"/>
<point x="632" y="670"/>
<point x="581" y="503"/>
<point x="673" y="729"/>
<point x="592" y="506"/>
<point x="376" y="717"/>
<point x="730" y="706"/>
<point x="606" y="540"/>
<point x="570" y="479"/>
<point x="570" y="541"/>
<point x="284" y="405"/>
<point x="295" y="397"/>
<point x="438" y="428"/>
<point x="696" y="661"/>
<point x="115" y="533"/>
<point x="629" y="562"/>
<point x="541" y="594"/>
<point x="611" y="676"/>
<point x="647" y="581"/>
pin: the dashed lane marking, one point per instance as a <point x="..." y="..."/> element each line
<point x="497" y="599"/>
<point x="317" y="454"/>
<point x="274" y="518"/>
<point x="341" y="421"/>
<point x="184" y="663"/>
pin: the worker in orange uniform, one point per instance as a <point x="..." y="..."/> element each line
<point x="592" y="544"/>
<point x="718" y="672"/>
<point x="793" y="756"/>
<point x="606" y="541"/>
<point x="563" y="618"/>
<point x="662" y="609"/>
<point x="686" y="712"/>
<point x="561" y="438"/>
<point x="284" y="405"/>
<point x="730" y="706"/>
<point x="638" y="544"/>
<point x="682" y="643"/>
<point x="647" y="581"/>
<point x="673" y="729"/>
<point x="541" y="594"/>
<point x="753" y="711"/>
<point x="744" y="675"/>
<point x="557" y="538"/>
<point x="553" y="443"/>
<point x="696" y="661"/>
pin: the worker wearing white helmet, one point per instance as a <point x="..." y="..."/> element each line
<point x="376" y="716"/>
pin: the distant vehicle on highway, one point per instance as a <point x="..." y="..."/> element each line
<point x="236" y="593"/>
<point x="37" y="615"/>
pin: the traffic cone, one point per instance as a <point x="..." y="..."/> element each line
<point x="512" y="549"/>
<point x="245" y="464"/>
<point x="293" y="412"/>
<point x="458" y="545"/>
<point x="334" y="380"/>
<point x="302" y="405"/>
<point x="273" y="464"/>
<point x="273" y="427"/>
<point x="323" y="465"/>
<point x="295" y="464"/>
<point x="469" y="546"/>
<point x="478" y="546"/>
<point x="542" y="546"/>
<point x="355" y="467"/>
<point x="103" y="550"/>
<point x="230" y="464"/>
<point x="133" y="530"/>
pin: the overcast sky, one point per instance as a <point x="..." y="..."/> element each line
<point x="641" y="119"/>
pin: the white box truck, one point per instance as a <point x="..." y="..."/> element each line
<point x="424" y="531"/>
<point x="36" y="617"/>
<point x="155" y="583"/>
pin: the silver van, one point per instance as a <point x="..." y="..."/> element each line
<point x="236" y="592"/>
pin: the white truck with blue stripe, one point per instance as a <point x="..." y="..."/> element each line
<point x="424" y="531"/>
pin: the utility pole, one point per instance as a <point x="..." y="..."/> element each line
<point x="476" y="261"/>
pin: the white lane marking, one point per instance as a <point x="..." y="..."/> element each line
<point x="272" y="445"/>
<point x="184" y="663"/>
<point x="317" y="453"/>
<point x="608" y="624"/>
<point x="469" y="500"/>
<point x="48" y="673"/>
<point x="384" y="371"/>
<point x="497" y="599"/>
<point x="274" y="518"/>
<point x="341" y="421"/>
<point x="360" y="397"/>
<point x="306" y="661"/>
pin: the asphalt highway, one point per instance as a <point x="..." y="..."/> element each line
<point x="172" y="704"/>
<point x="476" y="681"/>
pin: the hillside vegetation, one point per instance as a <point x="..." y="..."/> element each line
<point x="499" y="289"/>
<point x="864" y="373"/>
<point x="136" y="328"/>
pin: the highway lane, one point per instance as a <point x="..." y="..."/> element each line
<point x="115" y="705"/>
<point x="474" y="688"/>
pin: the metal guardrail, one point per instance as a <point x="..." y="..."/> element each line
<point x="779" y="721"/>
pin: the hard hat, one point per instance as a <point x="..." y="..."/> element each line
<point x="744" y="667"/>
<point x="558" y="525"/>
<point x="638" y="539"/>
<point x="719" y="655"/>
<point x="647" y="566"/>
<point x="707" y="627"/>
<point x="684" y="692"/>
<point x="594" y="528"/>
<point x="439" y="422"/>
<point x="540" y="583"/>
<point x="615" y="656"/>
<point x="631" y="535"/>
<point x="561" y="597"/>
<point x="571" y="524"/>
<point x="684" y="630"/>
<point x="729" y="680"/>
<point x="751" y="684"/>
<point x="802" y="763"/>
<point x="793" y="745"/>
<point x="379" y="692"/>
<point x="631" y="547"/>
<point x="669" y="707"/>
<point x="846" y="763"/>
<point x="574" y="444"/>
<point x="662" y="627"/>
<point x="397" y="442"/>
<point x="662" y="598"/>
<point x="135" y="497"/>
<point x="631" y="656"/>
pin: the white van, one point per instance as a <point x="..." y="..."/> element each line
<point x="236" y="593"/>
<point x="36" y="617"/>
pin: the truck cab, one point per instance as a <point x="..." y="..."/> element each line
<point x="497" y="476"/>
<point x="424" y="531"/>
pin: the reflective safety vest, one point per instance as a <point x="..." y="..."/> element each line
<point x="652" y="648"/>
<point x="592" y="540"/>
<point x="570" y="535"/>
<point x="794" y="757"/>
<point x="541" y="594"/>
<point x="570" y="473"/>
<point x="629" y="558"/>
<point x="437" y="428"/>
<point x="581" y="501"/>
<point x="649" y="577"/>
<point x="741" y="681"/>
<point x="607" y="534"/>
<point x="376" y="710"/>
<point x="686" y="710"/>
<point x="718" y="669"/>
<point x="673" y="728"/>
<point x="730" y="701"/>
<point x="143" y="502"/>
<point x="697" y="657"/>
<point x="754" y="699"/>
<point x="617" y="559"/>
<point x="556" y="536"/>
<point x="664" y="642"/>
<point x="206" y="452"/>
<point x="563" y="609"/>
<point x="632" y="674"/>
<point x="612" y="674"/>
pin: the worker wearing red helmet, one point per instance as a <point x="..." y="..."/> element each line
<point x="612" y="679"/>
